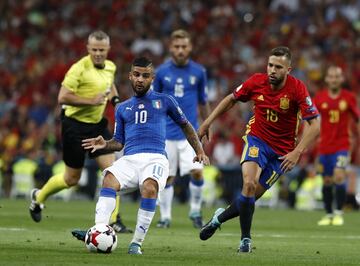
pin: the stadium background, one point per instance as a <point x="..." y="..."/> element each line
<point x="41" y="39"/>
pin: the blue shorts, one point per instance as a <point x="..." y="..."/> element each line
<point x="258" y="151"/>
<point x="329" y="162"/>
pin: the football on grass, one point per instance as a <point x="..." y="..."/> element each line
<point x="101" y="238"/>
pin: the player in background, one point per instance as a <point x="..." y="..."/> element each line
<point x="140" y="128"/>
<point x="337" y="108"/>
<point x="84" y="93"/>
<point x="185" y="80"/>
<point x="271" y="148"/>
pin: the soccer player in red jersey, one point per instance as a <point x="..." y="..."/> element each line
<point x="271" y="148"/>
<point x="337" y="108"/>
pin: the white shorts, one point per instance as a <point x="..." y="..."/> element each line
<point x="181" y="155"/>
<point x="132" y="170"/>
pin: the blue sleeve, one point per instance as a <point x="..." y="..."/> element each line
<point x="203" y="87"/>
<point x="174" y="111"/>
<point x="119" y="135"/>
<point x="157" y="83"/>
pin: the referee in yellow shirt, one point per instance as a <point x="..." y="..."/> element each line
<point x="84" y="93"/>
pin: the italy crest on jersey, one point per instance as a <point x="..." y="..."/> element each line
<point x="156" y="104"/>
<point x="284" y="103"/>
<point x="192" y="80"/>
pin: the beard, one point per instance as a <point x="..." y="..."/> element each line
<point x="140" y="90"/>
<point x="275" y="81"/>
<point x="180" y="61"/>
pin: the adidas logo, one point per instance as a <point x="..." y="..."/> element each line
<point x="260" y="98"/>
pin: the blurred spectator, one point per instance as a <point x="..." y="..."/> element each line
<point x="224" y="152"/>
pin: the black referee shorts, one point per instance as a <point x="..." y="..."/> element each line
<point x="73" y="132"/>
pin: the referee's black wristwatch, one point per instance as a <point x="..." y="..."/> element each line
<point x="115" y="100"/>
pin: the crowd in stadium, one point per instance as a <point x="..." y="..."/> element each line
<point x="41" y="39"/>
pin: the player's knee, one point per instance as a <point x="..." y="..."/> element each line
<point x="149" y="189"/>
<point x="197" y="174"/>
<point x="110" y="181"/>
<point x="339" y="176"/>
<point x="339" y="179"/>
<point x="249" y="186"/>
<point x="71" y="180"/>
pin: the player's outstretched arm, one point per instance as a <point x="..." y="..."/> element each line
<point x="226" y="104"/>
<point x="311" y="132"/>
<point x="194" y="141"/>
<point x="99" y="143"/>
<point x="205" y="110"/>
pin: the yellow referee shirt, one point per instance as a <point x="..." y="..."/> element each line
<point x="85" y="80"/>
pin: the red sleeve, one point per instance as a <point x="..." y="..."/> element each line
<point x="353" y="107"/>
<point x="243" y="92"/>
<point x="307" y="107"/>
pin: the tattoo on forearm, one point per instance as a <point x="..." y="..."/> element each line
<point x="192" y="137"/>
<point x="113" y="145"/>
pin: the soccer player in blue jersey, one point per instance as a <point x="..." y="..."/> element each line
<point x="185" y="80"/>
<point x="140" y="128"/>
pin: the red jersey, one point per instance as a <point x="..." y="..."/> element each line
<point x="277" y="113"/>
<point x="336" y="114"/>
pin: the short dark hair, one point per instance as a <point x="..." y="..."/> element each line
<point x="281" y="51"/>
<point x="142" y="62"/>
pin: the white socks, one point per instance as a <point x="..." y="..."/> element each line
<point x="196" y="189"/>
<point x="165" y="202"/>
<point x="167" y="195"/>
<point x="145" y="215"/>
<point x="105" y="205"/>
<point x="144" y="219"/>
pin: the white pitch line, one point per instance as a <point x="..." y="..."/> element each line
<point x="12" y="229"/>
<point x="219" y="234"/>
<point x="293" y="236"/>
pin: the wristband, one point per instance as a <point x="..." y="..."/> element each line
<point x="115" y="100"/>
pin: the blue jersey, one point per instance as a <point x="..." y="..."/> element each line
<point x="140" y="122"/>
<point x="188" y="84"/>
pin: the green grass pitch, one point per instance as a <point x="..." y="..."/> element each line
<point x="280" y="237"/>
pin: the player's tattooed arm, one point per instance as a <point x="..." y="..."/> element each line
<point x="113" y="145"/>
<point x="195" y="143"/>
<point x="99" y="143"/>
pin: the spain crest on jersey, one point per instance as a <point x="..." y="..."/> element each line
<point x="343" y="105"/>
<point x="284" y="103"/>
<point x="156" y="104"/>
<point x="324" y="105"/>
<point x="254" y="151"/>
